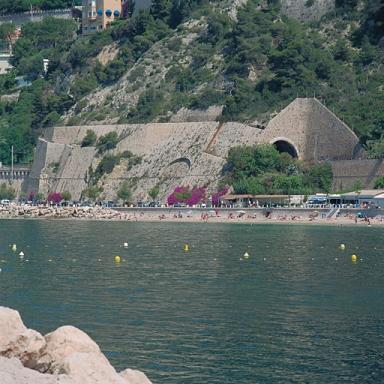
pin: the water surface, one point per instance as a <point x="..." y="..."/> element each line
<point x="297" y="311"/>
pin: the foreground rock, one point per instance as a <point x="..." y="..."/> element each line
<point x="65" y="356"/>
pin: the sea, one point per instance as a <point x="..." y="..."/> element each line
<point x="246" y="304"/>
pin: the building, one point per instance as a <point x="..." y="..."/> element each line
<point x="97" y="14"/>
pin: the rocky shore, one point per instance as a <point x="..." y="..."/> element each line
<point x="28" y="211"/>
<point x="64" y="356"/>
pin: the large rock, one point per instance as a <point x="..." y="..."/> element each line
<point x="72" y="352"/>
<point x="13" y="372"/>
<point x="132" y="376"/>
<point x="65" y="356"/>
<point x="18" y="341"/>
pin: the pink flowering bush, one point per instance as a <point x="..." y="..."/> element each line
<point x="54" y="197"/>
<point x="216" y="196"/>
<point x="186" y="195"/>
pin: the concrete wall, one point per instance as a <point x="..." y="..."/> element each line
<point x="348" y="174"/>
<point x="315" y="132"/>
<point x="26" y="17"/>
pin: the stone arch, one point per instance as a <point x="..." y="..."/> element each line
<point x="284" y="145"/>
<point x="183" y="160"/>
<point x="180" y="167"/>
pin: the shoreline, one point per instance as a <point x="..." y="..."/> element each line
<point x="253" y="216"/>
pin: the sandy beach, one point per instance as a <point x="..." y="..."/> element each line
<point x="309" y="216"/>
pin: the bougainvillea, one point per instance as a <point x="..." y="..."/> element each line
<point x="216" y="196"/>
<point x="54" y="197"/>
<point x="186" y="195"/>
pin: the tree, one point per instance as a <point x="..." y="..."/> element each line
<point x="124" y="193"/>
<point x="107" y="142"/>
<point x="89" y="139"/>
<point x="7" y="192"/>
<point x="92" y="192"/>
<point x="6" y="31"/>
<point x="153" y="193"/>
<point x="66" y="195"/>
<point x="379" y="183"/>
<point x="160" y="9"/>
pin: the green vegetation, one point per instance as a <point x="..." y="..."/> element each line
<point x="379" y="183"/>
<point x="262" y="169"/>
<point x="89" y="139"/>
<point x="66" y="196"/>
<point x="7" y="192"/>
<point x="124" y="193"/>
<point x="154" y="192"/>
<point x="253" y="67"/>
<point x="108" y="163"/>
<point x="92" y="192"/>
<point x="107" y="142"/>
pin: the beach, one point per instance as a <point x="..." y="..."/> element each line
<point x="344" y="216"/>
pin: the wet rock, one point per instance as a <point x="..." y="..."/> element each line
<point x="65" y="356"/>
<point x="18" y="341"/>
<point x="13" y="372"/>
<point x="132" y="376"/>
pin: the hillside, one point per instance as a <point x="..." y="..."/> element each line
<point x="246" y="59"/>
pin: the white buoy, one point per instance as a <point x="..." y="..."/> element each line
<point x="21" y="254"/>
<point x="125" y="245"/>
<point x="246" y="255"/>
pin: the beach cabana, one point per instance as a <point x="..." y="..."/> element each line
<point x="243" y="201"/>
<point x="365" y="198"/>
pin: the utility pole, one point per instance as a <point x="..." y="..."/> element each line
<point x="12" y="163"/>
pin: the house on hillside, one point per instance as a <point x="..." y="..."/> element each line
<point x="97" y="14"/>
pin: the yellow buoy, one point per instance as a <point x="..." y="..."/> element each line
<point x="14" y="247"/>
<point x="186" y="247"/>
<point x="342" y="247"/>
<point x="354" y="258"/>
<point x="117" y="259"/>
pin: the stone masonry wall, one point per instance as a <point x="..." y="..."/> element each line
<point x="349" y="174"/>
<point x="315" y="132"/>
<point x="188" y="153"/>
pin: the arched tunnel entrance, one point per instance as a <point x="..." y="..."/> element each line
<point x="284" y="147"/>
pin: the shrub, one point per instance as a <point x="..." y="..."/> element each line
<point x="107" y="142"/>
<point x="89" y="139"/>
<point x="54" y="197"/>
<point x="153" y="192"/>
<point x="66" y="196"/>
<point x="124" y="193"/>
<point x="92" y="192"/>
<point x="7" y="192"/>
<point x="186" y="195"/>
<point x="379" y="182"/>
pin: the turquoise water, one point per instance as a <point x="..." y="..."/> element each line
<point x="205" y="316"/>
